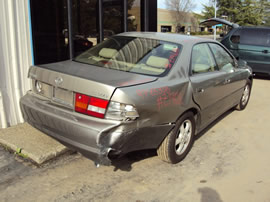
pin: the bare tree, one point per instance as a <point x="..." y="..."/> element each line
<point x="180" y="8"/>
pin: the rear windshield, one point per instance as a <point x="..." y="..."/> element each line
<point x="131" y="54"/>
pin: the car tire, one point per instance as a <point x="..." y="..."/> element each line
<point x="179" y="141"/>
<point x="245" y="97"/>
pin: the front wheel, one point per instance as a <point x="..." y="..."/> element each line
<point x="179" y="141"/>
<point x="245" y="97"/>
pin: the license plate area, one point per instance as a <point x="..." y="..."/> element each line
<point x="64" y="97"/>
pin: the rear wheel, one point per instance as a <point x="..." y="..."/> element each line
<point x="245" y="97"/>
<point x="179" y="141"/>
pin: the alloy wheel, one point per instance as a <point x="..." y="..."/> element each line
<point x="183" y="137"/>
<point x="245" y="95"/>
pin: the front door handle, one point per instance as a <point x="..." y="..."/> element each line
<point x="265" y="51"/>
<point x="200" y="90"/>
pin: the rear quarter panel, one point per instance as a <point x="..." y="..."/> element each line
<point x="157" y="102"/>
<point x="164" y="100"/>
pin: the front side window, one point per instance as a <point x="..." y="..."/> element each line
<point x="224" y="61"/>
<point x="131" y="54"/>
<point x="202" y="59"/>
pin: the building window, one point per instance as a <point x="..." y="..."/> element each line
<point x="84" y="15"/>
<point x="134" y="15"/>
<point x="113" y="17"/>
<point x="92" y="21"/>
<point x="166" y="28"/>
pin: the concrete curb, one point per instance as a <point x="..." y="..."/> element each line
<point x="32" y="143"/>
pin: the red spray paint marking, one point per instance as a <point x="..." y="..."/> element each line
<point x="172" y="58"/>
<point x="153" y="92"/>
<point x="171" y="98"/>
<point x="141" y="92"/>
<point x="165" y="96"/>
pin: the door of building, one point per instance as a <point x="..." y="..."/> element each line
<point x="49" y="22"/>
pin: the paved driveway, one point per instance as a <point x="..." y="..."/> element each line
<point x="229" y="162"/>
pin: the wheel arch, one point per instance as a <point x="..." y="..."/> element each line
<point x="197" y="117"/>
<point x="250" y="78"/>
<point x="165" y="151"/>
<point x="196" y="113"/>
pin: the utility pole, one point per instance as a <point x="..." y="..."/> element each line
<point x="215" y="29"/>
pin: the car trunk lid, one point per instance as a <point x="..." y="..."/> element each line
<point x="63" y="79"/>
<point x="216" y="21"/>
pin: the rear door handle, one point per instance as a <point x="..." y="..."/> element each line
<point x="227" y="81"/>
<point x="265" y="51"/>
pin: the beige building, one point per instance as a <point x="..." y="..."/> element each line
<point x="167" y="22"/>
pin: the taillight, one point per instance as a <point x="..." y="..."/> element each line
<point x="97" y="107"/>
<point x="90" y="105"/>
<point x="81" y="103"/>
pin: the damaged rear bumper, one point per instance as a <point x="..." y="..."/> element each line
<point x="98" y="139"/>
<point x="72" y="129"/>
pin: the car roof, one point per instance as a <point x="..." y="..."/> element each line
<point x="174" y="38"/>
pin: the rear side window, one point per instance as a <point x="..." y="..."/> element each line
<point x="252" y="36"/>
<point x="224" y="61"/>
<point x="202" y="59"/>
<point x="235" y="38"/>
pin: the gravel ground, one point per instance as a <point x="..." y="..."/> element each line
<point x="229" y="162"/>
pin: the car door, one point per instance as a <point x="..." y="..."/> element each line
<point x="253" y="46"/>
<point x="207" y="83"/>
<point x="233" y="81"/>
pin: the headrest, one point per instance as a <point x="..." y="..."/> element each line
<point x="107" y="52"/>
<point x="158" y="62"/>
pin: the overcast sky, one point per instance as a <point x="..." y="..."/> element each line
<point x="198" y="3"/>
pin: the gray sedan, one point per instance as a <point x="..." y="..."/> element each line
<point x="136" y="91"/>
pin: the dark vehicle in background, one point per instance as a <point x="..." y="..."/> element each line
<point x="136" y="91"/>
<point x="80" y="42"/>
<point x="251" y="44"/>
